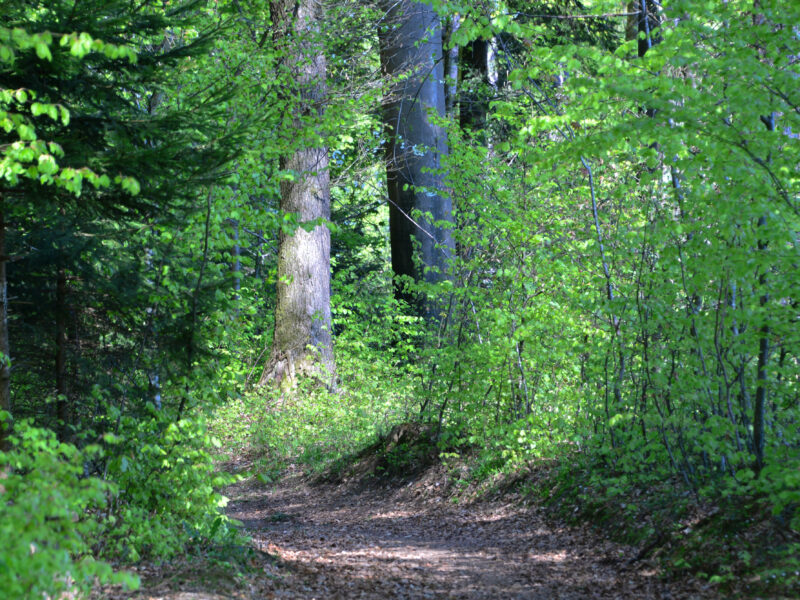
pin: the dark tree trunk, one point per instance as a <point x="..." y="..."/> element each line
<point x="302" y="341"/>
<point x="759" y="410"/>
<point x="5" y="359"/>
<point x="62" y="406"/>
<point x="236" y="263"/>
<point x="648" y="21"/>
<point x="760" y="406"/>
<point x="451" y="66"/>
<point x="473" y="102"/>
<point x="411" y="56"/>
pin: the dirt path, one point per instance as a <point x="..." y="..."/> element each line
<point x="379" y="543"/>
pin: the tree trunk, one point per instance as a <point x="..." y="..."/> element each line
<point x="411" y="56"/>
<point x="62" y="407"/>
<point x="5" y="359"/>
<point x="302" y="341"/>
<point x="759" y="410"/>
<point x="450" y="66"/>
<point x="473" y="103"/>
<point x="648" y="23"/>
<point x="236" y="263"/>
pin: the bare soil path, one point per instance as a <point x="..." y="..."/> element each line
<point x="380" y="542"/>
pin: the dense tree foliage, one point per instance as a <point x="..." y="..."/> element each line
<point x="550" y="229"/>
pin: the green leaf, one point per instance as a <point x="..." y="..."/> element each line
<point x="47" y="164"/>
<point x="130" y="185"/>
<point x="43" y="51"/>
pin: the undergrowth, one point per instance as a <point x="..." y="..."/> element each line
<point x="732" y="539"/>
<point x="310" y="426"/>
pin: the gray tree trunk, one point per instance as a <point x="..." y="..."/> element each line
<point x="411" y="57"/>
<point x="302" y="341"/>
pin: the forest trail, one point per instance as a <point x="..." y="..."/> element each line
<point x="377" y="542"/>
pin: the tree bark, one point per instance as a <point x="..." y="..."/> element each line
<point x="302" y="342"/>
<point x="411" y="57"/>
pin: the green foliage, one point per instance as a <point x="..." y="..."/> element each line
<point x="167" y="502"/>
<point x="49" y="517"/>
<point x="141" y="261"/>
<point x="129" y="286"/>
<point x="626" y="281"/>
<point x="27" y="156"/>
<point x="157" y="499"/>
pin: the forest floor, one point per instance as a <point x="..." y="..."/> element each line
<point x="377" y="538"/>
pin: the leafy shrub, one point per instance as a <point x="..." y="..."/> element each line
<point x="46" y="517"/>
<point x="166" y="501"/>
